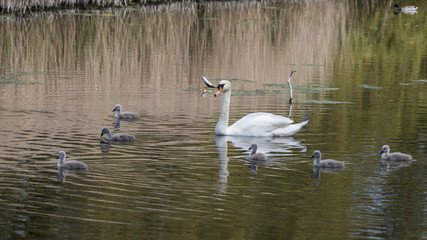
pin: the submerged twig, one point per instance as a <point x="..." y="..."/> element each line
<point x="290" y="109"/>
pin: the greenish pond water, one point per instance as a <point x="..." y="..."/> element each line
<point x="361" y="80"/>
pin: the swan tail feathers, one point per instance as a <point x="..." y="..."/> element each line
<point x="289" y="130"/>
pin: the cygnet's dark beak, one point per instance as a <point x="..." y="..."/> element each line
<point x="249" y="148"/>
<point x="57" y="157"/>
<point x="114" y="109"/>
<point x="102" y="134"/>
<point x="312" y="156"/>
<point x="381" y="152"/>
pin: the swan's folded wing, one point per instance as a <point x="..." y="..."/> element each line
<point x="258" y="124"/>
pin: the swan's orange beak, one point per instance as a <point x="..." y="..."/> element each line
<point x="219" y="91"/>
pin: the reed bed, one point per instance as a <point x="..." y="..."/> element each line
<point x="131" y="50"/>
<point x="25" y="6"/>
<point x="28" y="6"/>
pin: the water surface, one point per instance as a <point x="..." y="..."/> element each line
<point x="361" y="80"/>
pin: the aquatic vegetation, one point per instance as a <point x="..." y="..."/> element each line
<point x="234" y="80"/>
<point x="272" y="8"/>
<point x="303" y="89"/>
<point x="209" y="19"/>
<point x="318" y="101"/>
<point x="306" y="64"/>
<point x="11" y="78"/>
<point x="192" y="89"/>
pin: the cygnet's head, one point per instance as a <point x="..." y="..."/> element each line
<point x="316" y="154"/>
<point x="118" y="108"/>
<point x="105" y="131"/>
<point x="253" y="147"/>
<point x="385" y="149"/>
<point x="223" y="86"/>
<point x="61" y="156"/>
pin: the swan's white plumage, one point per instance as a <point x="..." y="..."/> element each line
<point x="258" y="124"/>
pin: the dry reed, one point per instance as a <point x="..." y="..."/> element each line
<point x="155" y="49"/>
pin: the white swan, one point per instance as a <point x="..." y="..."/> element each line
<point x="258" y="124"/>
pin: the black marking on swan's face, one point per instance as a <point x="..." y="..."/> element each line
<point x="220" y="89"/>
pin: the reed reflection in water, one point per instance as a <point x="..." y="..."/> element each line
<point x="61" y="73"/>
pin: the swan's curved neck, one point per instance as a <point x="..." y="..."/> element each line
<point x="117" y="114"/>
<point x="316" y="161"/>
<point x="107" y="136"/>
<point x="384" y="155"/>
<point x="61" y="161"/>
<point x="253" y="150"/>
<point x="222" y="125"/>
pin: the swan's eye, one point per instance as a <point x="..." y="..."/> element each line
<point x="220" y="86"/>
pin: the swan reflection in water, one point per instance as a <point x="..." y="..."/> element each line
<point x="118" y="122"/>
<point x="317" y="170"/>
<point x="270" y="146"/>
<point x="62" y="173"/>
<point x="388" y="165"/>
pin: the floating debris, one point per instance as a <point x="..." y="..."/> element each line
<point x="369" y="86"/>
<point x="422" y="81"/>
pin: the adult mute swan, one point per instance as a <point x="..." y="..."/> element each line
<point x="258" y="124"/>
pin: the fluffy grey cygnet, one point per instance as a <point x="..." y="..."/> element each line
<point x="396" y="156"/>
<point x="327" y="163"/>
<point x="72" y="164"/>
<point x="256" y="156"/>
<point x="124" y="115"/>
<point x="120" y="137"/>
